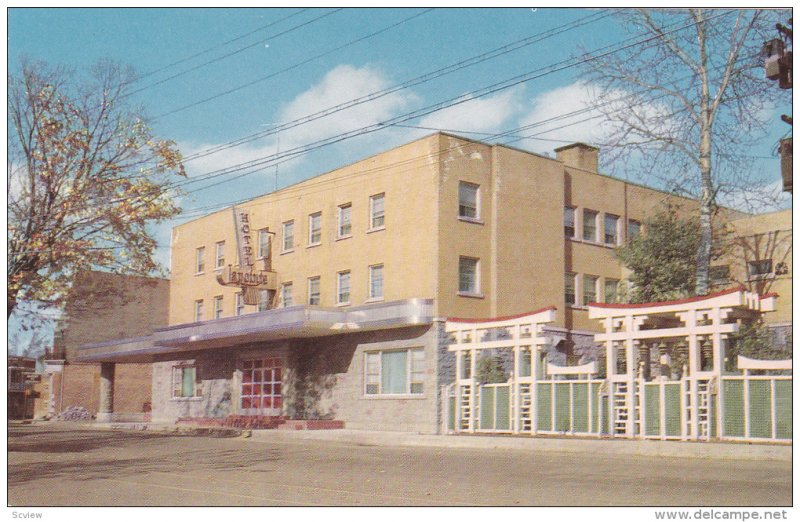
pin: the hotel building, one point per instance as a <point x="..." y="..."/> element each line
<point x="327" y="299"/>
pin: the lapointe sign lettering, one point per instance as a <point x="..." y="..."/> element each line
<point x="236" y="277"/>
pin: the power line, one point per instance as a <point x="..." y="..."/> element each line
<point x="537" y="73"/>
<point x="232" y="53"/>
<point x="291" y="67"/>
<point x="438" y="73"/>
<point x="206" y="51"/>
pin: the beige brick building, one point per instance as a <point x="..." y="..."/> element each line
<point x="354" y="271"/>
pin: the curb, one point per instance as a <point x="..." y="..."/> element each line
<point x="640" y="448"/>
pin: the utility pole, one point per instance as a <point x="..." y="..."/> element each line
<point x="778" y="66"/>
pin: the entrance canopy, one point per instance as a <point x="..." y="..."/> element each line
<point x="294" y="322"/>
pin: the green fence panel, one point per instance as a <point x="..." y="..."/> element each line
<point x="595" y="424"/>
<point x="562" y="407"/>
<point x="451" y="413"/>
<point x="783" y="409"/>
<point x="712" y="412"/>
<point x="732" y="408"/>
<point x="672" y="407"/>
<point x="760" y="409"/>
<point x="580" y="408"/>
<point x="652" y="410"/>
<point x="544" y="420"/>
<point x="487" y="408"/>
<point x="502" y="419"/>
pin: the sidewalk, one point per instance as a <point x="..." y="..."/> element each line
<point x="617" y="447"/>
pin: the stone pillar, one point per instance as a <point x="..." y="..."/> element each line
<point x="106" y="408"/>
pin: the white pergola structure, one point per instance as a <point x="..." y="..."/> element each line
<point x="521" y="334"/>
<point x="694" y="329"/>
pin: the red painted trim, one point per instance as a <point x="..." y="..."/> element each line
<point x="668" y="303"/>
<point x="505" y="318"/>
<point x="771" y="294"/>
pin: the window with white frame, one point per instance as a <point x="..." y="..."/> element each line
<point x="286" y="294"/>
<point x="263" y="300"/>
<point x="468" y="278"/>
<point x="218" y="307"/>
<point x="263" y="243"/>
<point x="288" y="236"/>
<point x="570" y="297"/>
<point x="184" y="382"/>
<point x="569" y="222"/>
<point x="759" y="269"/>
<point x="611" y="290"/>
<point x="198" y="310"/>
<point x="315" y="228"/>
<point x="200" y="260"/>
<point x="394" y="372"/>
<point x="376" y="282"/>
<point x="313" y="291"/>
<point x="239" y="303"/>
<point x="219" y="254"/>
<point x="345" y="228"/>
<point x="468" y="200"/>
<point x="590" y="225"/>
<point x="376" y="211"/>
<point x="589" y="289"/>
<point x="610" y="233"/>
<point x="634" y="228"/>
<point x="343" y="287"/>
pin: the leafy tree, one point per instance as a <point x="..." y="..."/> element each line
<point x="754" y="340"/>
<point x="663" y="258"/>
<point x="685" y="103"/>
<point x="86" y="177"/>
<point x="489" y="370"/>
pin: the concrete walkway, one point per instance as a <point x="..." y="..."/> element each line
<point x="619" y="447"/>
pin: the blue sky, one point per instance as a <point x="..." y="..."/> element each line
<point x="315" y="62"/>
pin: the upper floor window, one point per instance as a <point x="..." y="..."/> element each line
<point x="376" y="212"/>
<point x="198" y="310"/>
<point x="760" y="268"/>
<point x="263" y="243"/>
<point x="313" y="291"/>
<point x="315" y="229"/>
<point x="610" y="233"/>
<point x="343" y="287"/>
<point x="288" y="236"/>
<point x="590" y="225"/>
<point x="468" y="278"/>
<point x="719" y="275"/>
<point x="634" y="229"/>
<point x="200" y="260"/>
<point x="218" y="307"/>
<point x="376" y="282"/>
<point x="589" y="289"/>
<point x="569" y="222"/>
<point x="263" y="300"/>
<point x="286" y="294"/>
<point x="239" y="303"/>
<point x="345" y="228"/>
<point x="219" y="254"/>
<point x="468" y="200"/>
<point x="570" y="297"/>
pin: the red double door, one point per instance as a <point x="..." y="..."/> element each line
<point x="261" y="386"/>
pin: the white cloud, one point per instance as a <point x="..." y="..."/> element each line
<point x="486" y="114"/>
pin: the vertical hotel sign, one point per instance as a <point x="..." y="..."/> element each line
<point x="244" y="275"/>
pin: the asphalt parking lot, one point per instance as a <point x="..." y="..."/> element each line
<point x="61" y="464"/>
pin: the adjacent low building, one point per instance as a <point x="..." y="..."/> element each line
<point x="328" y="299"/>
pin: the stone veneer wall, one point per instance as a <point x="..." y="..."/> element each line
<point x="323" y="378"/>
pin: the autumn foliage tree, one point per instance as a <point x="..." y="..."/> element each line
<point x="86" y="178"/>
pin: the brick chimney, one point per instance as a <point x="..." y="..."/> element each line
<point x="578" y="155"/>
